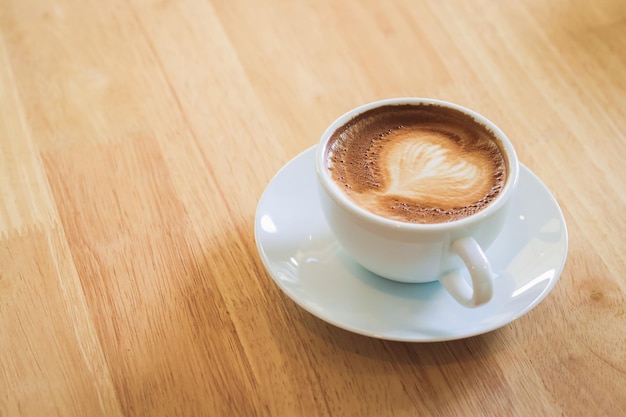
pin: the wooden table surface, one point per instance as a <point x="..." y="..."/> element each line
<point x="138" y="135"/>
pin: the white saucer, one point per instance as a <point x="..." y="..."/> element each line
<point x="307" y="263"/>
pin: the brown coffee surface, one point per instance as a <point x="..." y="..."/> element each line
<point x="417" y="163"/>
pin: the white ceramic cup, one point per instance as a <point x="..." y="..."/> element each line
<point x="419" y="253"/>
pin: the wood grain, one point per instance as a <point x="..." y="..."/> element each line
<point x="136" y="137"/>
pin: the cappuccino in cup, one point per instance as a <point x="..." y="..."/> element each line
<point x="417" y="163"/>
<point x="416" y="189"/>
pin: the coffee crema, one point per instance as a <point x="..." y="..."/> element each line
<point x="417" y="163"/>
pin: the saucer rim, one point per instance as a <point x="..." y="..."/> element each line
<point x="457" y="336"/>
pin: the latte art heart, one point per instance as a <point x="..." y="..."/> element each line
<point x="417" y="163"/>
<point x="430" y="168"/>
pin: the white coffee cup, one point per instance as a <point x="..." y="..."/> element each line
<point x="419" y="253"/>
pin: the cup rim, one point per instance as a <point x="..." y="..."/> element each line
<point x="334" y="191"/>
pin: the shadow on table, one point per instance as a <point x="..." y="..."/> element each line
<point x="245" y="313"/>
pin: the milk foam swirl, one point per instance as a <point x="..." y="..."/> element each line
<point x="425" y="166"/>
<point x="417" y="163"/>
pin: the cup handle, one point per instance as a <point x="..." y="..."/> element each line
<point x="480" y="272"/>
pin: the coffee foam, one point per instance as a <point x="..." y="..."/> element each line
<point x="417" y="163"/>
